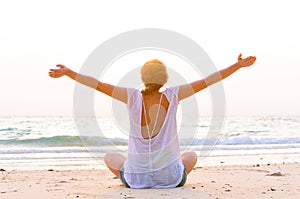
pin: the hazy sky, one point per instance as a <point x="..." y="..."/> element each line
<point x="37" y="35"/>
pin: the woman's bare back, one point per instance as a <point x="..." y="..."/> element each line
<point x="155" y="114"/>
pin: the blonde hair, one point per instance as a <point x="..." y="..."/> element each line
<point x="154" y="75"/>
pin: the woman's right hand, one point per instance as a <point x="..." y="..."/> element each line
<point x="245" y="62"/>
<point x="56" y="73"/>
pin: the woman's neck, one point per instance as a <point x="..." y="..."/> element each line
<point x="151" y="89"/>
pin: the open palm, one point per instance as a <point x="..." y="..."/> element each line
<point x="245" y="62"/>
<point x="56" y="73"/>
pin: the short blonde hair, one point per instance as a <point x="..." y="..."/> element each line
<point x="154" y="72"/>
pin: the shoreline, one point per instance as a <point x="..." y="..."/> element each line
<point x="87" y="163"/>
<point x="276" y="180"/>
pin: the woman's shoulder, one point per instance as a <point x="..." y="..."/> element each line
<point x="172" y="93"/>
<point x="133" y="94"/>
<point x="172" y="90"/>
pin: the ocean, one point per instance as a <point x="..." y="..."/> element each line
<point x="55" y="143"/>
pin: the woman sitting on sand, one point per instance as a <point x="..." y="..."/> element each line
<point x="154" y="159"/>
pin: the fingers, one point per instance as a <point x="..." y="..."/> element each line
<point x="245" y="62"/>
<point x="51" y="74"/>
<point x="247" y="59"/>
<point x="240" y="56"/>
<point x="55" y="73"/>
<point x="250" y="60"/>
<point x="60" y="65"/>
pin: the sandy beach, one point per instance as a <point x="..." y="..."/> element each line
<point x="246" y="181"/>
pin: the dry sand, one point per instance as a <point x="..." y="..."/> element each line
<point x="251" y="181"/>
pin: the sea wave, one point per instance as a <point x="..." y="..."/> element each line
<point x="64" y="141"/>
<point x="60" y="141"/>
<point x="249" y="140"/>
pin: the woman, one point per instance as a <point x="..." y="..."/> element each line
<point x="154" y="159"/>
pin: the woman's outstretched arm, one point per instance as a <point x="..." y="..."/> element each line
<point x="194" y="87"/>
<point x="118" y="93"/>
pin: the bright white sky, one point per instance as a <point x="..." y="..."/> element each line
<point x="36" y="35"/>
